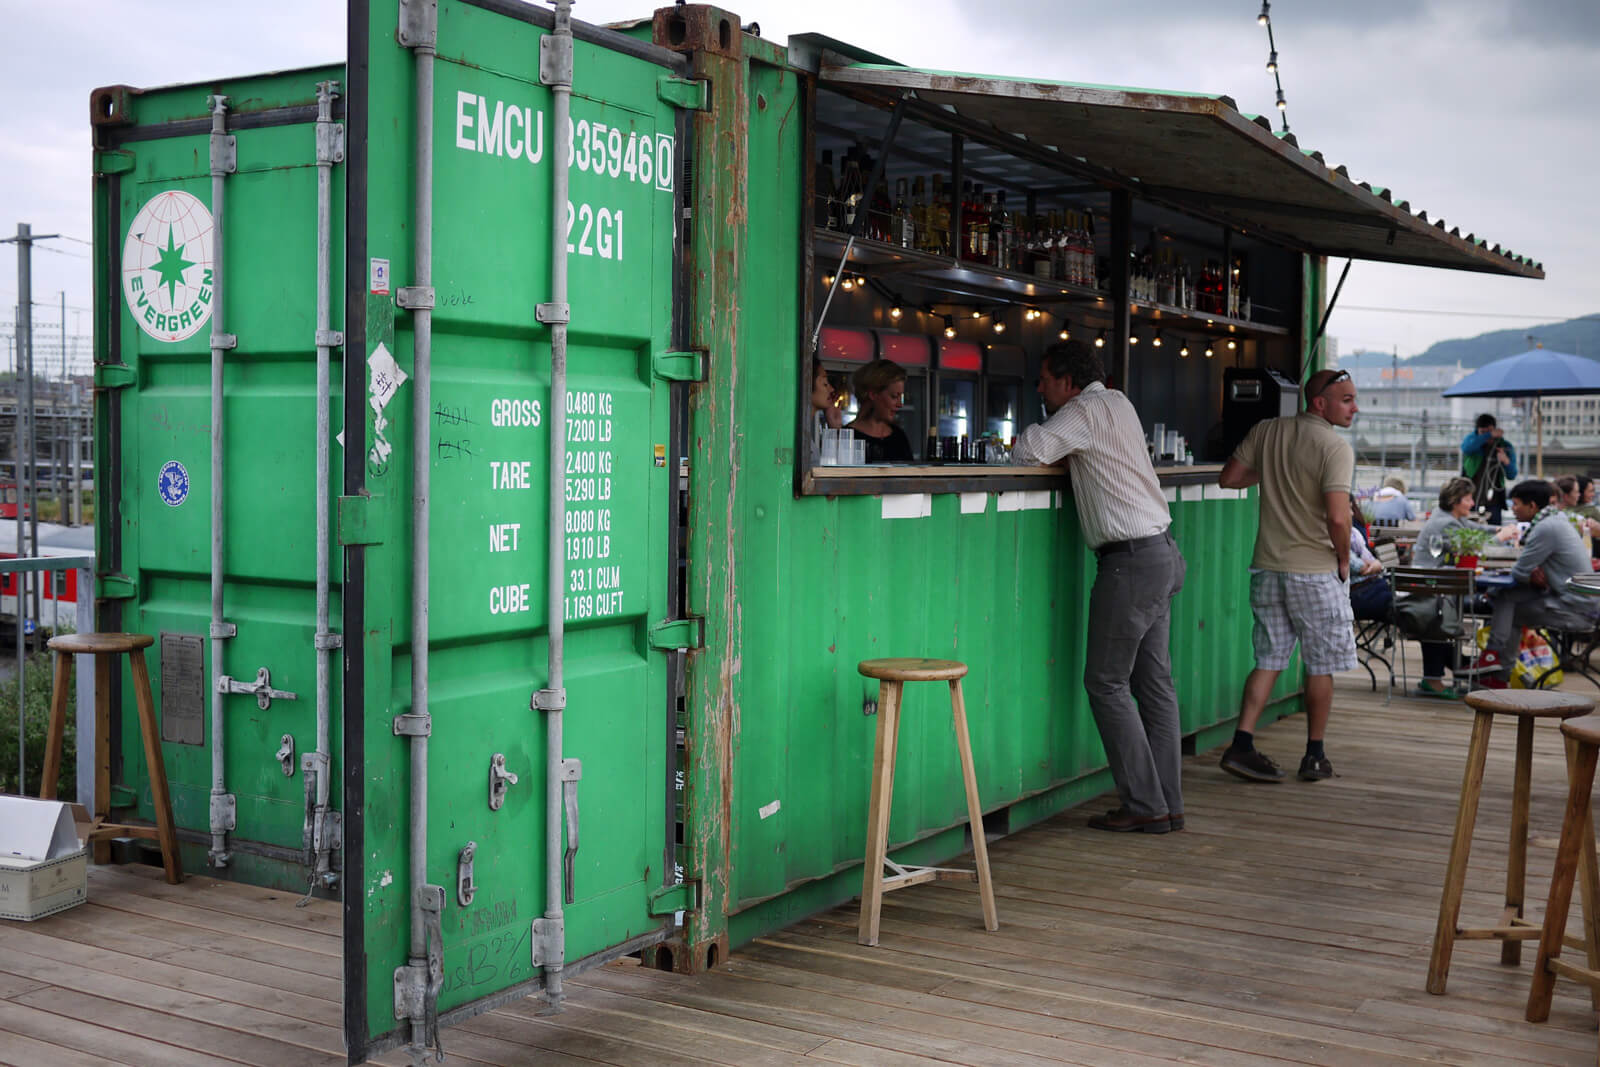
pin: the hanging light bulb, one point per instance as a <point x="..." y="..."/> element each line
<point x="1272" y="62"/>
<point x="895" y="313"/>
<point x="1266" y="13"/>
<point x="1156" y="341"/>
<point x="1282" y="105"/>
<point x="999" y="327"/>
<point x="1232" y="344"/>
<point x="949" y="326"/>
<point x="1133" y="338"/>
<point x="1065" y="334"/>
<point x="1100" y="342"/>
<point x="977" y="314"/>
<point x="1184" y="350"/>
<point x="848" y="284"/>
<point x="1209" y="353"/>
<point x="827" y="279"/>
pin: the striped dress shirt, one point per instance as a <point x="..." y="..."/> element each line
<point x="1113" y="481"/>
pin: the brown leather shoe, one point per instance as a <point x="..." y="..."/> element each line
<point x="1176" y="819"/>
<point x="1121" y="821"/>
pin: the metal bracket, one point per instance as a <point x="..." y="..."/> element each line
<point x="118" y="587"/>
<point x="678" y="633"/>
<point x="571" y="775"/>
<point x="224" y="812"/>
<point x="688" y="93"/>
<point x="410" y="725"/>
<point x="330" y="142"/>
<point x="224" y="154"/>
<point x="330" y="339"/>
<point x="221" y="631"/>
<point x="465" y="889"/>
<point x="285" y="755"/>
<point x="261" y="689"/>
<point x="224" y="342"/>
<point x="549" y="941"/>
<point x="362" y="519"/>
<point x="500" y="780"/>
<point x="685" y="896"/>
<point x="549" y="700"/>
<point x="328" y="642"/>
<point x="414" y="297"/>
<point x="555" y="59"/>
<point x="114" y="376"/>
<point x="552" y="314"/>
<point x="112" y="162"/>
<point x="332" y="836"/>
<point x="419" y="23"/>
<point x="687" y="366"/>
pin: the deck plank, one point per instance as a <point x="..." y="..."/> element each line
<point x="1286" y="924"/>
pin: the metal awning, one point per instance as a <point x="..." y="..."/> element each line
<point x="1192" y="151"/>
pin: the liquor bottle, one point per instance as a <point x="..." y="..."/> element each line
<point x="903" y="232"/>
<point x="939" y="219"/>
<point x="880" y="212"/>
<point x="1091" y="267"/>
<point x="825" y="193"/>
<point x="983" y="226"/>
<point x="962" y="238"/>
<point x="849" y="190"/>
<point x="1062" y="265"/>
<point x="919" y="214"/>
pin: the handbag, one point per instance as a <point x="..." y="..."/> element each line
<point x="1428" y="618"/>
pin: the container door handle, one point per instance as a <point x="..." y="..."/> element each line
<point x="571" y="774"/>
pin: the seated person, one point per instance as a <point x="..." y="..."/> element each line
<point x="1455" y="504"/>
<point x="1571" y="492"/>
<point x="880" y="393"/>
<point x="1370" y="593"/>
<point x="825" y="410"/>
<point x="1552" y="552"/>
<point x="1391" y="503"/>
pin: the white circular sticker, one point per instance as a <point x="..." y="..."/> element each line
<point x="166" y="266"/>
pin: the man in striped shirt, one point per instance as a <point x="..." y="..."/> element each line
<point x="1125" y="521"/>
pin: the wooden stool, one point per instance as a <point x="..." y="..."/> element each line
<point x="1525" y="705"/>
<point x="892" y="674"/>
<point x="103" y="647"/>
<point x="1575" y="856"/>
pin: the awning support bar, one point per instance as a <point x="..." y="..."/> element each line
<point x="1327" y="313"/>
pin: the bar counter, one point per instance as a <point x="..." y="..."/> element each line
<point x="884" y="479"/>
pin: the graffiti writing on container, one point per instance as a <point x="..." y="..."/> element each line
<point x="513" y="131"/>
<point x="455" y="450"/>
<point x="501" y="960"/>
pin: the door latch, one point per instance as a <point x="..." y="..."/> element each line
<point x="500" y="780"/>
<point x="465" y="888"/>
<point x="286" y="755"/>
<point x="261" y="689"/>
<point x="571" y="774"/>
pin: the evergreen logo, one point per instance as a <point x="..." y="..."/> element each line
<point x="166" y="266"/>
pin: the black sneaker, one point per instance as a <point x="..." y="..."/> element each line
<point x="1251" y="765"/>
<point x="1315" y="769"/>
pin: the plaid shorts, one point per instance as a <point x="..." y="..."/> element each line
<point x="1313" y="609"/>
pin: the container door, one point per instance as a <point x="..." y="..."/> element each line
<point x="161" y="241"/>
<point x="493" y="154"/>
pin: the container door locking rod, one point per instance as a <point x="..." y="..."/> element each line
<point x="861" y="212"/>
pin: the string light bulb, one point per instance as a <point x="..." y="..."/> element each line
<point x="848" y="284"/>
<point x="949" y="327"/>
<point x="1282" y="104"/>
<point x="827" y="279"/>
<point x="977" y="314"/>
<point x="895" y="313"/>
<point x="1065" y="334"/>
<point x="1155" y="342"/>
<point x="1133" y="338"/>
<point x="999" y="327"/>
<point x="1272" y="62"/>
<point x="1184" y="350"/>
<point x="1100" y="342"/>
<point x="1232" y="344"/>
<point x="1266" y="13"/>
<point x="1209" y="353"/>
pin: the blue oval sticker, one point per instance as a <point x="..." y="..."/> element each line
<point x="173" y="483"/>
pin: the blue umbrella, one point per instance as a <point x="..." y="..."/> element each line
<point x="1537" y="372"/>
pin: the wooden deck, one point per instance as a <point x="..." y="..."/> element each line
<point x="1287" y="924"/>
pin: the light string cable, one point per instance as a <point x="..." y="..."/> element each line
<point x="1265" y="19"/>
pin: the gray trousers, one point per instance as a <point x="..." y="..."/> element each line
<point x="1523" y="605"/>
<point x="1128" y="675"/>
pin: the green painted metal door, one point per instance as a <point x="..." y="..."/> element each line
<point x="494" y="148"/>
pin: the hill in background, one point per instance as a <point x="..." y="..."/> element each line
<point x="1579" y="336"/>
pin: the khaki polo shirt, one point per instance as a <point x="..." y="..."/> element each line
<point x="1299" y="458"/>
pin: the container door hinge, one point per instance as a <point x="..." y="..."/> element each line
<point x="224" y="812"/>
<point x="114" y="376"/>
<point x="552" y="314"/>
<point x="261" y="689"/>
<point x="112" y="163"/>
<point x="363" y="519"/>
<point x="410" y="725"/>
<point x="687" y="93"/>
<point x="678" y="633"/>
<point x="669" y="899"/>
<point x="419" y="23"/>
<point x="118" y="587"/>
<point x="687" y="366"/>
<point x="417" y="986"/>
<point x="549" y="941"/>
<point x="555" y="59"/>
<point x="415" y="297"/>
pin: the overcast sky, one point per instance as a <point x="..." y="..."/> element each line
<point x="1477" y="111"/>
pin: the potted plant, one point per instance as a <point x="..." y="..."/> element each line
<point x="1465" y="542"/>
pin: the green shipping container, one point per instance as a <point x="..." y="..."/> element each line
<point x="451" y="444"/>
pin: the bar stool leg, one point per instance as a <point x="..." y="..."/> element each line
<point x="878" y="810"/>
<point x="1589" y="884"/>
<point x="55" y="739"/>
<point x="1573" y="825"/>
<point x="160" y="798"/>
<point x="1455" y="875"/>
<point x="101" y="849"/>
<point x="969" y="776"/>
<point x="1517" y="856"/>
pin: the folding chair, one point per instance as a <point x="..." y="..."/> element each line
<point x="1375" y="637"/>
<point x="1573" y="647"/>
<point x="1455" y="583"/>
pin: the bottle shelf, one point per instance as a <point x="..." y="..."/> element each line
<point x="960" y="278"/>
